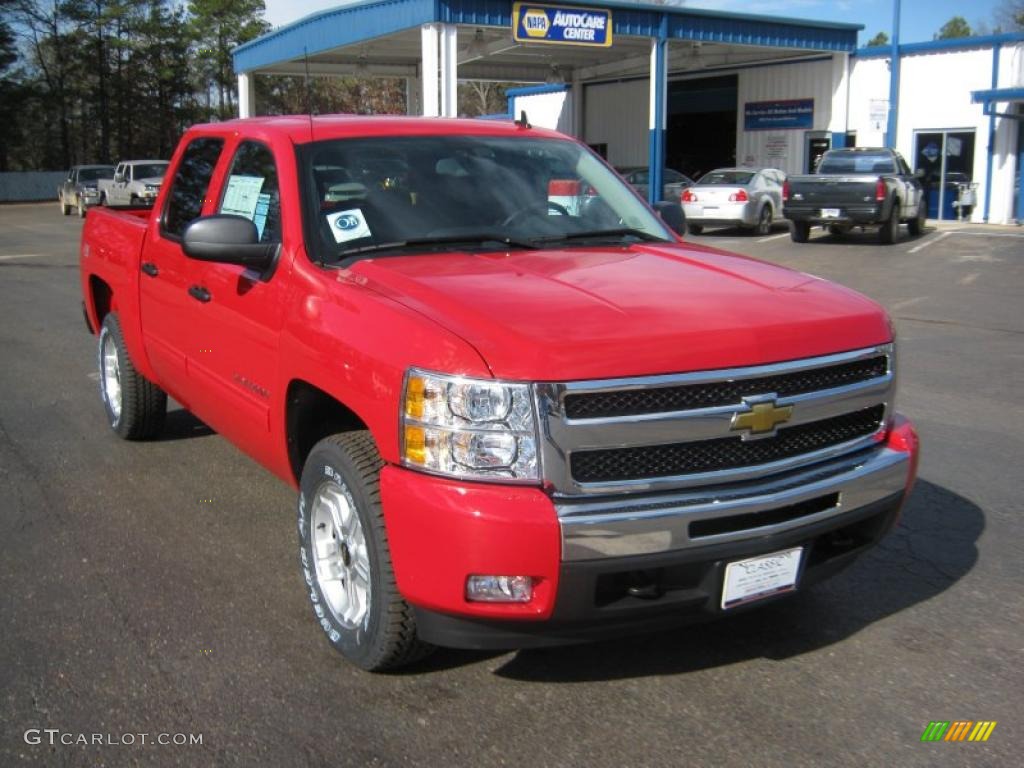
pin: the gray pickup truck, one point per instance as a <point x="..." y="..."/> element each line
<point x="857" y="187"/>
<point x="135" y="182"/>
<point x="80" y="188"/>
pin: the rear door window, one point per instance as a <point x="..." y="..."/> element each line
<point x="190" y="184"/>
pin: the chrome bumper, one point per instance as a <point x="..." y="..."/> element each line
<point x="620" y="527"/>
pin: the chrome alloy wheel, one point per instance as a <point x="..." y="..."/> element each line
<point x="110" y="374"/>
<point x="340" y="555"/>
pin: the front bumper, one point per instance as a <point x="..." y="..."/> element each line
<point x="656" y="562"/>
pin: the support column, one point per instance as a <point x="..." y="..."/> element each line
<point x="894" y="79"/>
<point x="656" y="123"/>
<point x="413" y="92"/>
<point x="996" y="50"/>
<point x="430" y="49"/>
<point x="838" y="124"/>
<point x="246" y="95"/>
<point x="449" y="70"/>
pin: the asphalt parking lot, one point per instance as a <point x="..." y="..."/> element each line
<point x="153" y="588"/>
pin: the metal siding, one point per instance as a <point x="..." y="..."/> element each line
<point x="805" y="80"/>
<point x="761" y="33"/>
<point x="333" y="29"/>
<point x="614" y="114"/>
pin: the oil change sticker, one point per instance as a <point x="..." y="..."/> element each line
<point x="348" y="225"/>
<point x="242" y="195"/>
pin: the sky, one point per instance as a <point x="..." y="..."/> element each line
<point x="921" y="19"/>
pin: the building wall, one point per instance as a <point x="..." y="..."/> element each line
<point x="935" y="94"/>
<point x="778" y="148"/>
<point x="616" y="114"/>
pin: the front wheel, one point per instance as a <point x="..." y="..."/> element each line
<point x="346" y="563"/>
<point x="799" y="231"/>
<point x="135" y="406"/>
<point x="65" y="209"/>
<point x="81" y="208"/>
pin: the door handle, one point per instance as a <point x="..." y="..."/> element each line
<point x="150" y="268"/>
<point x="199" y="293"/>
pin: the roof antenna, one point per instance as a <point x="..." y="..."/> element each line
<point x="522" y="122"/>
<point x="309" y="92"/>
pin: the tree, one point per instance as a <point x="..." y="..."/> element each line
<point x="1010" y="15"/>
<point x="953" y="29"/>
<point x="880" y="39"/>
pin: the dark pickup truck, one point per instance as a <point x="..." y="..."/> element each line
<point x="857" y="187"/>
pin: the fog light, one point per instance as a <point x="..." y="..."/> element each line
<point x="499" y="589"/>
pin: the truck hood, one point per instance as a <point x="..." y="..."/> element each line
<point x="591" y="313"/>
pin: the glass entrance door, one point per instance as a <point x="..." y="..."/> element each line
<point x="947" y="159"/>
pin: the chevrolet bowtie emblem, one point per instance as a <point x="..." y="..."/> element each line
<point x="762" y="418"/>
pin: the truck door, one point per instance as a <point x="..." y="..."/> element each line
<point x="168" y="309"/>
<point x="233" y="357"/>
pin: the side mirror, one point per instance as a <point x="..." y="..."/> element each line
<point x="118" y="177"/>
<point x="672" y="214"/>
<point x="919" y="173"/>
<point x="229" y="239"/>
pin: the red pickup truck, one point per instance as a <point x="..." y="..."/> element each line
<point x="517" y="407"/>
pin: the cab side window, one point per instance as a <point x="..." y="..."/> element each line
<point x="190" y="183"/>
<point x="251" y="190"/>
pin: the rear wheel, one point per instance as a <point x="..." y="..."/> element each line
<point x="799" y="231"/>
<point x="346" y="563"/>
<point x="135" y="406"/>
<point x="764" y="221"/>
<point x="694" y="229"/>
<point x="916" y="224"/>
<point x="889" y="232"/>
<point x="81" y="208"/>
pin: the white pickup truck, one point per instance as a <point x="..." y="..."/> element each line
<point x="135" y="182"/>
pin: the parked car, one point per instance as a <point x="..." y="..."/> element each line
<point x="750" y="198"/>
<point x="135" y="182"/>
<point x="672" y="184"/>
<point x="511" y="421"/>
<point x="80" y="188"/>
<point x="857" y="187"/>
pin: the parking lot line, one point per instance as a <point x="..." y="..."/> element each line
<point x="985" y="234"/>
<point x="773" y="237"/>
<point x="926" y="243"/>
<point x="10" y="256"/>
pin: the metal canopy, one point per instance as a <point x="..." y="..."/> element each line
<point x="381" y="37"/>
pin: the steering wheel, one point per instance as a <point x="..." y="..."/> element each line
<point x="550" y="205"/>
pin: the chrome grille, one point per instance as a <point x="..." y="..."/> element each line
<point x="635" y="402"/>
<point x="676" y="431"/>
<point x="616" y="464"/>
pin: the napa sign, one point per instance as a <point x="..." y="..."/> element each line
<point x="561" y="25"/>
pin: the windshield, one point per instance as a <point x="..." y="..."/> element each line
<point x="150" y="171"/>
<point x="859" y="162"/>
<point x="363" y="195"/>
<point x="726" y="178"/>
<point x="94" y="174"/>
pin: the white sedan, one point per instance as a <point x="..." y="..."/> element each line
<point x="750" y="198"/>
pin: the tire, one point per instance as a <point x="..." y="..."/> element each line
<point x="369" y="623"/>
<point x="889" y="232"/>
<point x="135" y="406"/>
<point x="65" y="210"/>
<point x="694" y="229"/>
<point x="103" y="198"/>
<point x="764" y="221"/>
<point x="799" y="231"/>
<point x="81" y="209"/>
<point x="916" y="224"/>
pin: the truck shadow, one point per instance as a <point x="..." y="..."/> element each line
<point x="932" y="547"/>
<point x="182" y="425"/>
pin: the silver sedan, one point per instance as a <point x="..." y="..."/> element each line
<point x="750" y="198"/>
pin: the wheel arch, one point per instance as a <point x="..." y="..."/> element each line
<point x="311" y="414"/>
<point x="101" y="300"/>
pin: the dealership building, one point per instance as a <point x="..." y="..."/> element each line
<point x="666" y="86"/>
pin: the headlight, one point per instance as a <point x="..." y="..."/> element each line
<point x="471" y="428"/>
<point x="151" y="188"/>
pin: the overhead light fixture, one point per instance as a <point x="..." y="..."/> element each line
<point x="555" y="76"/>
<point x="477" y="48"/>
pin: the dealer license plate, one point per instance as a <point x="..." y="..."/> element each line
<point x="761" y="577"/>
<point x="830" y="213"/>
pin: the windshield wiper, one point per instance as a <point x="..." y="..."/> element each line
<point x="346" y="256"/>
<point x="598" y="234"/>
